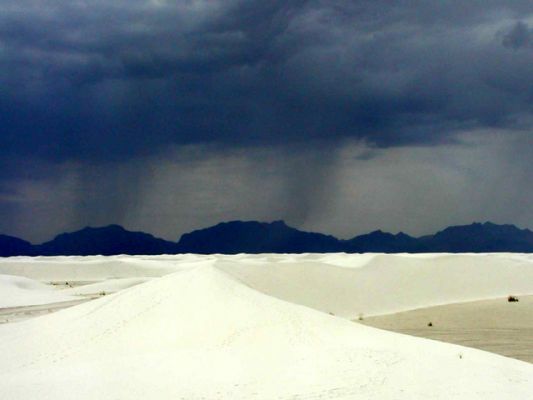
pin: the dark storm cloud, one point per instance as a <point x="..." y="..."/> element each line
<point x="519" y="36"/>
<point x="94" y="95"/>
<point x="112" y="80"/>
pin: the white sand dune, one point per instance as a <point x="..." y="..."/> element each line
<point x="200" y="334"/>
<point x="95" y="268"/>
<point x="107" y="286"/>
<point x="16" y="291"/>
<point x="347" y="285"/>
<point x="354" y="285"/>
<point x="243" y="327"/>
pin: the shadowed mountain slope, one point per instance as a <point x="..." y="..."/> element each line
<point x="256" y="237"/>
<point x="275" y="237"/>
<point x="476" y="237"/>
<point x="12" y="246"/>
<point x="382" y="242"/>
<point x="109" y="240"/>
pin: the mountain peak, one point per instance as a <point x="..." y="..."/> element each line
<point x="256" y="237"/>
<point x="106" y="240"/>
<point x="12" y="246"/>
<point x="274" y="237"/>
<point x="279" y="222"/>
<point x="482" y="237"/>
<point x="111" y="227"/>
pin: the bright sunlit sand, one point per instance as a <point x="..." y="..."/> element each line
<point x="259" y="327"/>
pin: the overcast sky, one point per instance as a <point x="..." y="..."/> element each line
<point x="336" y="116"/>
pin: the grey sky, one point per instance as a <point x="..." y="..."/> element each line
<point x="342" y="116"/>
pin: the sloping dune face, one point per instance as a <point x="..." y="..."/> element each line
<point x="346" y="285"/>
<point x="16" y="291"/>
<point x="201" y="334"/>
<point x="354" y="286"/>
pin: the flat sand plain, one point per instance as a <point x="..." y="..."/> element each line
<point x="492" y="325"/>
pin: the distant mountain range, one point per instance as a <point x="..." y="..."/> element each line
<point x="109" y="240"/>
<point x="275" y="237"/>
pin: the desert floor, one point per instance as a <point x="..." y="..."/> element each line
<point x="492" y="325"/>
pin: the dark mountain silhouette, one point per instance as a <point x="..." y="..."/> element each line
<point x="256" y="237"/>
<point x="382" y="242"/>
<point x="12" y="246"/>
<point x="275" y="237"/>
<point x="480" y="238"/>
<point x="109" y="240"/>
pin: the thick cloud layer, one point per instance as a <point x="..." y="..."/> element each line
<point x="109" y="84"/>
<point x="104" y="80"/>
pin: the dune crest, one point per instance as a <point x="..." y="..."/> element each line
<point x="200" y="333"/>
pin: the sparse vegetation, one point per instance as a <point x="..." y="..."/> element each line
<point x="512" y="299"/>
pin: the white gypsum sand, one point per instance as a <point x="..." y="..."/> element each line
<point x="93" y="268"/>
<point x="104" y="287"/>
<point x="199" y="333"/>
<point x="362" y="285"/>
<point x="347" y="285"/>
<point x="18" y="291"/>
<point x="205" y="330"/>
